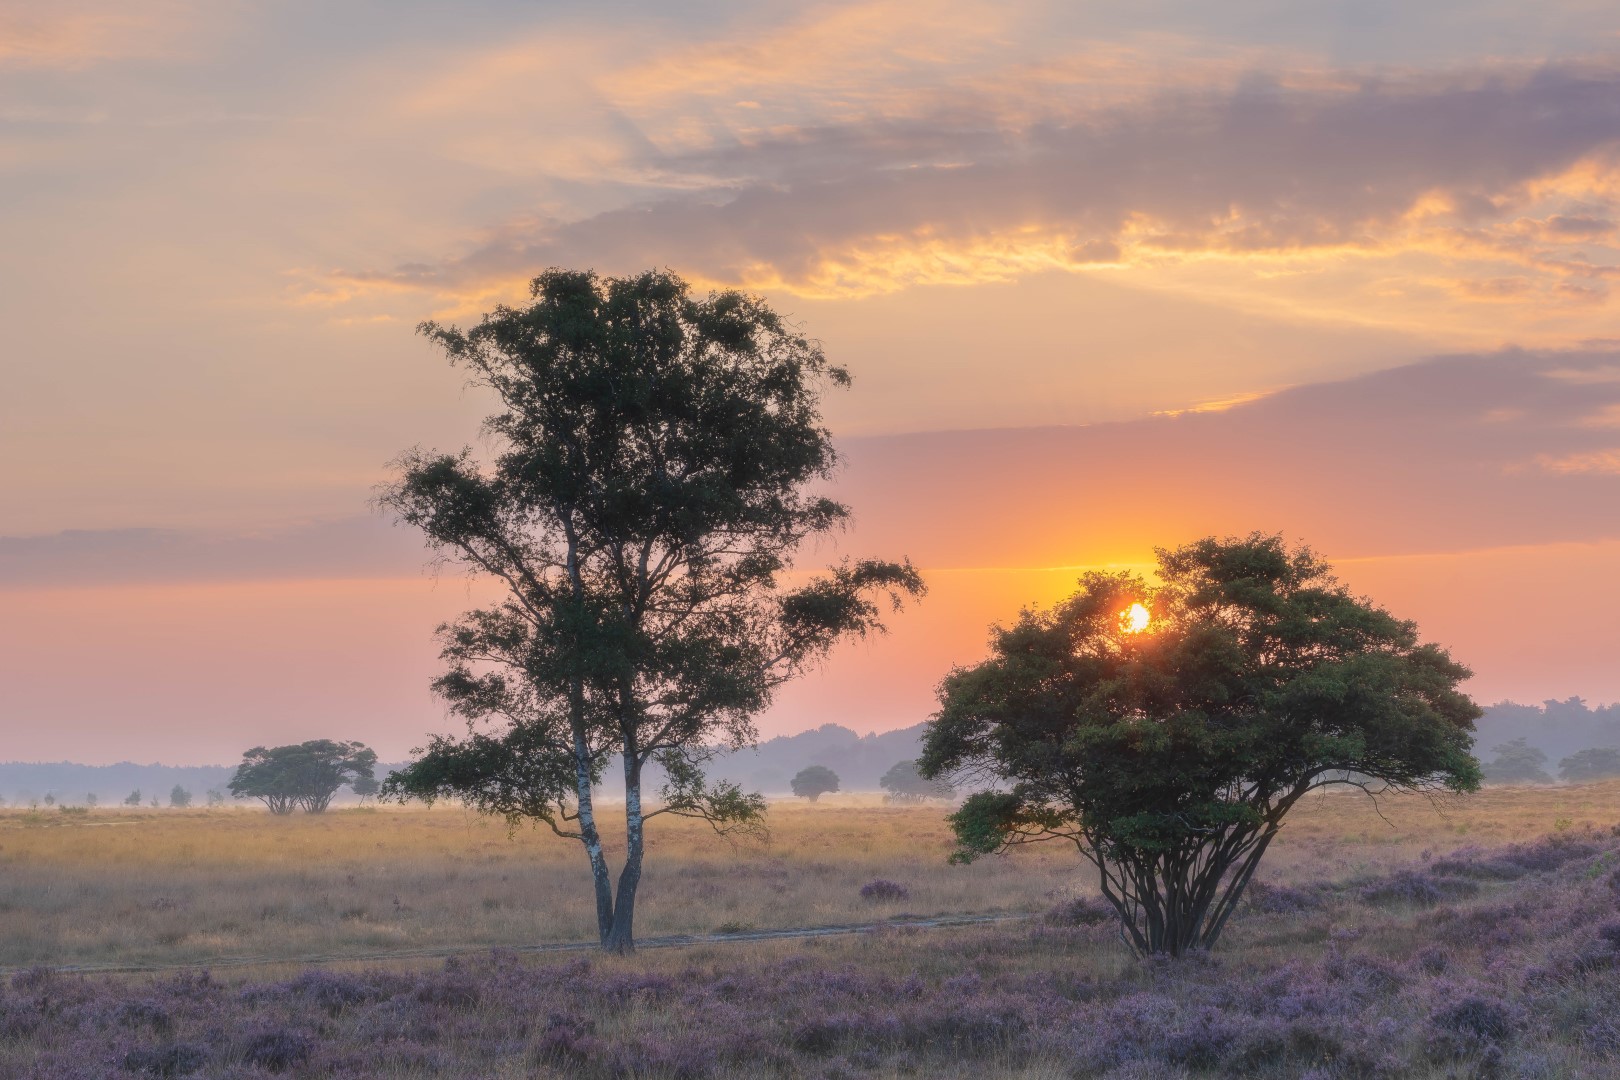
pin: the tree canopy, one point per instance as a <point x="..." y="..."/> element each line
<point x="1597" y="763"/>
<point x="652" y="481"/>
<point x="1169" y="755"/>
<point x="814" y="781"/>
<point x="1517" y="762"/>
<point x="306" y="774"/>
<point x="904" y="783"/>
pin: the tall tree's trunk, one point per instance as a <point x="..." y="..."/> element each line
<point x="621" y="938"/>
<point x="588" y="833"/>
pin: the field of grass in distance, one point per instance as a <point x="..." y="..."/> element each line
<point x="164" y="887"/>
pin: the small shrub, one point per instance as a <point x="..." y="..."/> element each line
<point x="135" y="1014"/>
<point x="172" y="1059"/>
<point x="1082" y="911"/>
<point x="881" y="891"/>
<point x="1416" y="889"/>
<point x="1477" y="1016"/>
<point x="277" y="1049"/>
<point x="1268" y="899"/>
<point x="1433" y="960"/>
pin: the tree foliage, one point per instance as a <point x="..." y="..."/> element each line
<point x="1597" y="763"/>
<point x="814" y="781"/>
<point x="650" y="488"/>
<point x="905" y="784"/>
<point x="1517" y="762"/>
<point x="179" y="797"/>
<point x="306" y="774"/>
<point x="1169" y="757"/>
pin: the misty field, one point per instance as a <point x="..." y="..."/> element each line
<point x="1480" y="937"/>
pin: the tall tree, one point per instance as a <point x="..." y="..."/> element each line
<point x="1166" y="731"/>
<point x="651" y="488"/>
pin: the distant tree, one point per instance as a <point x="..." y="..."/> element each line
<point x="50" y="800"/>
<point x="814" y="781"/>
<point x="216" y="797"/>
<point x="905" y="784"/>
<point x="651" y="489"/>
<point x="305" y="774"/>
<point x="365" y="787"/>
<point x="179" y="797"/>
<point x="1598" y="763"/>
<point x="155" y="801"/>
<point x="90" y="799"/>
<point x="133" y="798"/>
<point x="1168" y="741"/>
<point x="1517" y="762"/>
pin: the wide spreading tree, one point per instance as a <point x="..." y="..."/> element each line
<point x="814" y="781"/>
<point x="651" y="484"/>
<point x="306" y="774"/>
<point x="1166" y="730"/>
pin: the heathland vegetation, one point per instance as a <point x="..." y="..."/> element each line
<point x="1402" y="940"/>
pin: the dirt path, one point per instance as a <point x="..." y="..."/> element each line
<point x="669" y="941"/>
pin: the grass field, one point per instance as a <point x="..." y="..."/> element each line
<point x="1476" y="939"/>
<point x="151" y="887"/>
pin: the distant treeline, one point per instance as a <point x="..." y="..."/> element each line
<point x="1556" y="728"/>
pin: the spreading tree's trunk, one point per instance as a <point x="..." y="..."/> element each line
<point x="621" y="938"/>
<point x="1174" y="902"/>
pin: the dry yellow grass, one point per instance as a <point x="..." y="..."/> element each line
<point x="165" y="887"/>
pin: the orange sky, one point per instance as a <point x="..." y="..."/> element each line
<point x="1106" y="280"/>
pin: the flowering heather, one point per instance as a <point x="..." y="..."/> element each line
<point x="884" y="891"/>
<point x="1522" y="979"/>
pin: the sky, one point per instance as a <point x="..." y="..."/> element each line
<point x="1109" y="278"/>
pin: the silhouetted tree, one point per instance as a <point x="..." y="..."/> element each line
<point x="215" y="797"/>
<point x="905" y="784"/>
<point x="1598" y="763"/>
<point x="133" y="798"/>
<point x="305" y="774"/>
<point x="365" y="788"/>
<point x="1517" y="762"/>
<point x="179" y="797"/>
<point x="50" y="800"/>
<point x="90" y="799"/>
<point x="649" y="493"/>
<point x="814" y="781"/>
<point x="1169" y="757"/>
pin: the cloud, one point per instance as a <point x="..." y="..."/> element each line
<point x="1471" y="206"/>
<point x="1456" y="453"/>
<point x="351" y="548"/>
<point x="1589" y="463"/>
<point x="1453" y="454"/>
<point x="75" y="34"/>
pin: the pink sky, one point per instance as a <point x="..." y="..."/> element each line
<point x="1106" y="281"/>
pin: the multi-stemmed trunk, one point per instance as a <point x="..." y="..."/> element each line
<point x="1171" y="903"/>
<point x="615" y="910"/>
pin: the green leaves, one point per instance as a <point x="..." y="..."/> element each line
<point x="1177" y="751"/>
<point x="305" y="774"/>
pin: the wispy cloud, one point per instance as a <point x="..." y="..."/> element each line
<point x="1503" y="179"/>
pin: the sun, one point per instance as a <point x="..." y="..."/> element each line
<point x="1135" y="619"/>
